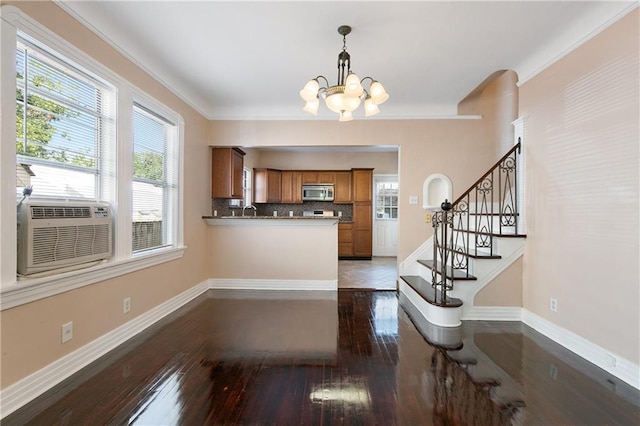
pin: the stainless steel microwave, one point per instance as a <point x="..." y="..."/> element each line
<point x="317" y="192"/>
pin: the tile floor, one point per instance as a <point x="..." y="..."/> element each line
<point x="379" y="273"/>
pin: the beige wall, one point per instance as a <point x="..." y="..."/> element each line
<point x="581" y="147"/>
<point x="31" y="333"/>
<point x="381" y="162"/>
<point x="503" y="290"/>
<point x="496" y="99"/>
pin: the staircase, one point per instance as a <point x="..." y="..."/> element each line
<point x="475" y="238"/>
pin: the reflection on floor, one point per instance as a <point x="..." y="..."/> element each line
<point x="235" y="357"/>
<point x="379" y="273"/>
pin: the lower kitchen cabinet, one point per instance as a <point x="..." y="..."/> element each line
<point x="345" y="240"/>
<point x="362" y="229"/>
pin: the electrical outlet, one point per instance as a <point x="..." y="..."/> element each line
<point x="126" y="305"/>
<point x="553" y="372"/>
<point x="67" y="332"/>
<point x="553" y="305"/>
<point x="427" y="218"/>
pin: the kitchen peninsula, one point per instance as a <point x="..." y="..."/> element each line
<point x="273" y="253"/>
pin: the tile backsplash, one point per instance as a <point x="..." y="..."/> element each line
<point x="223" y="208"/>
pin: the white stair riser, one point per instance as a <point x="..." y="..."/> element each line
<point x="443" y="317"/>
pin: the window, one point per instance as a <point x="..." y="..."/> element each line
<point x="82" y="132"/>
<point x="386" y="200"/>
<point x="151" y="187"/>
<point x="246" y="186"/>
<point x="62" y="122"/>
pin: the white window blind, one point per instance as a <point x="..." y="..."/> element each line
<point x="152" y="182"/>
<point x="246" y="186"/>
<point x="61" y="123"/>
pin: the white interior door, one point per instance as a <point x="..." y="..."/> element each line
<point x="385" y="215"/>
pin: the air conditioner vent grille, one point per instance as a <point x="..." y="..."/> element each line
<point x="62" y="212"/>
<point x="54" y="244"/>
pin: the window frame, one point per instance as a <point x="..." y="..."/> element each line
<point x="106" y="116"/>
<point x="382" y="180"/>
<point x="114" y="188"/>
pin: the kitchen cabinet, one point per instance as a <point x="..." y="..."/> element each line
<point x="362" y="184"/>
<point x="267" y="186"/>
<point x="314" y="176"/>
<point x="342" y="192"/>
<point x="291" y="187"/>
<point x="226" y="172"/>
<point x="309" y="177"/>
<point x="362" y="230"/>
<point x="345" y="240"/>
<point x="362" y="213"/>
<point x="326" y="177"/>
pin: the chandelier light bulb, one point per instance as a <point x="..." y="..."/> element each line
<point x="370" y="108"/>
<point x="352" y="86"/>
<point x="310" y="90"/>
<point x="312" y="106"/>
<point x="345" y="116"/>
<point x="378" y="94"/>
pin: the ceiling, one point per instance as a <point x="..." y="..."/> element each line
<point x="248" y="60"/>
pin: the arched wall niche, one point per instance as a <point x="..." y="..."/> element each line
<point x="435" y="189"/>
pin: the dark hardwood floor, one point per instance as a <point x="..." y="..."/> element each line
<point x="234" y="358"/>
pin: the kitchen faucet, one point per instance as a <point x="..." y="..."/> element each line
<point x="255" y="211"/>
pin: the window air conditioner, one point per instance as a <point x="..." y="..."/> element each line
<point x="55" y="234"/>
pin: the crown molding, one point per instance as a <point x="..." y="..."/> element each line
<point x="533" y="66"/>
<point x="201" y="107"/>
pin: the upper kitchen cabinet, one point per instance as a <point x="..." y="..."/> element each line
<point x="291" y="187"/>
<point x="267" y="186"/>
<point x="318" y="176"/>
<point x="362" y="184"/>
<point x="342" y="192"/>
<point x="226" y="172"/>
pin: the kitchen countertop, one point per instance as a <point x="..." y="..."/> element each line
<point x="270" y="217"/>
<point x="271" y="220"/>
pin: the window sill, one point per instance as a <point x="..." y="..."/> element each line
<point x="31" y="289"/>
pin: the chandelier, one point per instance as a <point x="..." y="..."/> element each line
<point x="344" y="97"/>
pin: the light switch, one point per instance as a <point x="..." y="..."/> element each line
<point x="413" y="199"/>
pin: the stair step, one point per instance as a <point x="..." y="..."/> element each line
<point x="475" y="256"/>
<point x="452" y="274"/>
<point x="490" y="234"/>
<point x="428" y="293"/>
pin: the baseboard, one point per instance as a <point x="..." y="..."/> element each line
<point x="34" y="385"/>
<point x="493" y="313"/>
<point x="622" y="368"/>
<point x="259" y="284"/>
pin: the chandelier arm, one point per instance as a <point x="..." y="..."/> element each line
<point x="326" y="82"/>
<point x="370" y="78"/>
